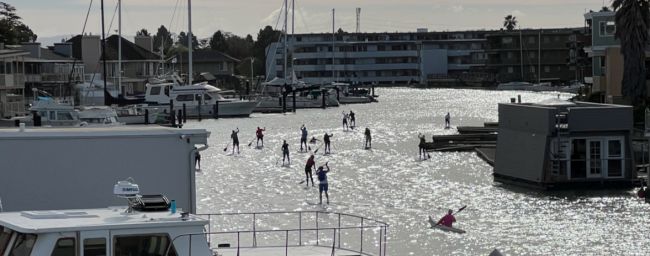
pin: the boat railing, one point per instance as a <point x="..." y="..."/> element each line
<point x="288" y="229"/>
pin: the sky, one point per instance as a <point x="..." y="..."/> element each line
<point x="54" y="19"/>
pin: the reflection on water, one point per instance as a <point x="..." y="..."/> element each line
<point x="390" y="183"/>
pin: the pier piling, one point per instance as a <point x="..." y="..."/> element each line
<point x="294" y="101"/>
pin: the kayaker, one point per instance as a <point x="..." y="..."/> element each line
<point x="368" y="143"/>
<point x="308" y="169"/>
<point x="303" y="137"/>
<point x="422" y="150"/>
<point x="326" y="139"/>
<point x="260" y="136"/>
<point x="313" y="140"/>
<point x="345" y="121"/>
<point x="235" y="140"/>
<point x="448" y="219"/>
<point x="285" y="152"/>
<point x="322" y="183"/>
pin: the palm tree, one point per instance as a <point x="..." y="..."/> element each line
<point x="632" y="23"/>
<point x="510" y="22"/>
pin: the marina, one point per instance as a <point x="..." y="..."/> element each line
<point x="506" y="138"/>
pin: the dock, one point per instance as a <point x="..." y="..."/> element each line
<point x="481" y="139"/>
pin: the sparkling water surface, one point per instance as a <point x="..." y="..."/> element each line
<point x="391" y="184"/>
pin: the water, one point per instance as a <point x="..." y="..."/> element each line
<point x="389" y="183"/>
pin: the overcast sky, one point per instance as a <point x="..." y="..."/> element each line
<point x="54" y="18"/>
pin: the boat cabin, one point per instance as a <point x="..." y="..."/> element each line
<point x="94" y="232"/>
<point x="55" y="113"/>
<point x="190" y="95"/>
<point x="565" y="144"/>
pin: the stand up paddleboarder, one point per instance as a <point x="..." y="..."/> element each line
<point x="368" y="143"/>
<point x="308" y="170"/>
<point x="322" y="186"/>
<point x="235" y="140"/>
<point x="260" y="136"/>
<point x="285" y="152"/>
<point x="326" y="140"/>
<point x="303" y="137"/>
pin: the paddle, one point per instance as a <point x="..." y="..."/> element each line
<point x="251" y="143"/>
<point x="316" y="151"/>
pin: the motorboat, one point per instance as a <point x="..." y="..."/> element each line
<point x="306" y="96"/>
<point x="138" y="114"/>
<point x="98" y="115"/>
<point x="153" y="225"/>
<point x="196" y="99"/>
<point x="347" y="94"/>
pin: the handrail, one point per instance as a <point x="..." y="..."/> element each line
<point x="331" y="223"/>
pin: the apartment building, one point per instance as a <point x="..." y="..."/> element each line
<point x="12" y="81"/>
<point x="533" y="55"/>
<point x="379" y="58"/>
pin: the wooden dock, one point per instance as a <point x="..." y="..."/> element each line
<point x="482" y="140"/>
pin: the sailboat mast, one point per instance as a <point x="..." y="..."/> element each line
<point x="539" y="57"/>
<point x="189" y="41"/>
<point x="286" y="15"/>
<point x="293" y="18"/>
<point x="521" y="52"/>
<point x="119" y="46"/>
<point x="104" y="55"/>
<point x="333" y="38"/>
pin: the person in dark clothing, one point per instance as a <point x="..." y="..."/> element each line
<point x="323" y="185"/>
<point x="447" y="120"/>
<point x="345" y="121"/>
<point x="260" y="136"/>
<point x="285" y="152"/>
<point x="326" y="140"/>
<point x="353" y="121"/>
<point x="303" y="137"/>
<point x="313" y="140"/>
<point x="308" y="169"/>
<point x="197" y="159"/>
<point x="235" y="140"/>
<point x="422" y="151"/>
<point x="368" y="143"/>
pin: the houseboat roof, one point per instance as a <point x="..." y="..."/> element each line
<point x="113" y="131"/>
<point x="112" y="218"/>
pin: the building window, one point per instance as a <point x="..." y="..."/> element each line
<point x="547" y="39"/>
<point x="547" y="69"/>
<point x="531" y="54"/>
<point x="614" y="158"/>
<point x="607" y="28"/>
<point x="511" y="70"/>
<point x="510" y="55"/>
<point x="144" y="245"/>
<point x="531" y="40"/>
<point x="532" y="69"/>
<point x="64" y="247"/>
<point x="506" y="40"/>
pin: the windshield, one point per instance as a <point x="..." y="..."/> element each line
<point x="23" y="245"/>
<point x="5" y="236"/>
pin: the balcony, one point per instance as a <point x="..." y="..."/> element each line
<point x="11" y="81"/>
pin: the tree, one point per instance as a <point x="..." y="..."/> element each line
<point x="265" y="37"/>
<point x="164" y="38"/>
<point x="510" y="22"/>
<point x="12" y="30"/>
<point x="183" y="40"/>
<point x="142" y="32"/>
<point x="218" y="42"/>
<point x="632" y="23"/>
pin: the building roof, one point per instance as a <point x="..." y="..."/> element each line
<point x="544" y="31"/>
<point x="208" y="55"/>
<point x="12" y="52"/>
<point x="130" y="51"/>
<point x="39" y="222"/>
<point x="48" y="55"/>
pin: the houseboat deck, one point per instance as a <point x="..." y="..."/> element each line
<point x="291" y="251"/>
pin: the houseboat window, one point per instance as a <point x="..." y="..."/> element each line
<point x="206" y="97"/>
<point x="63" y="116"/>
<point x="5" y="236"/>
<point x="185" y="97"/>
<point x="95" y="247"/>
<point x="23" y="245"/>
<point x="143" y="245"/>
<point x="64" y="247"/>
<point x="578" y="159"/>
<point x="155" y="90"/>
<point x="614" y="158"/>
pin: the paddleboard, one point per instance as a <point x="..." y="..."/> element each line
<point x="259" y="147"/>
<point x="445" y="228"/>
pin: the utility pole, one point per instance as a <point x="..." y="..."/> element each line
<point x="104" y="55"/>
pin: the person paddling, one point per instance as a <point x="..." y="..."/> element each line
<point x="353" y="121"/>
<point x="368" y="143"/>
<point x="235" y="140"/>
<point x="345" y="121"/>
<point x="308" y="169"/>
<point x="313" y="140"/>
<point x="448" y="219"/>
<point x="260" y="136"/>
<point x="422" y="151"/>
<point x="447" y="120"/>
<point x="303" y="137"/>
<point x="326" y="140"/>
<point x="285" y="152"/>
<point x="322" y="186"/>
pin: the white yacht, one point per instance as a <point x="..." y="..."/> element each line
<point x="152" y="225"/>
<point x="98" y="115"/>
<point x="347" y="95"/>
<point x="197" y="98"/>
